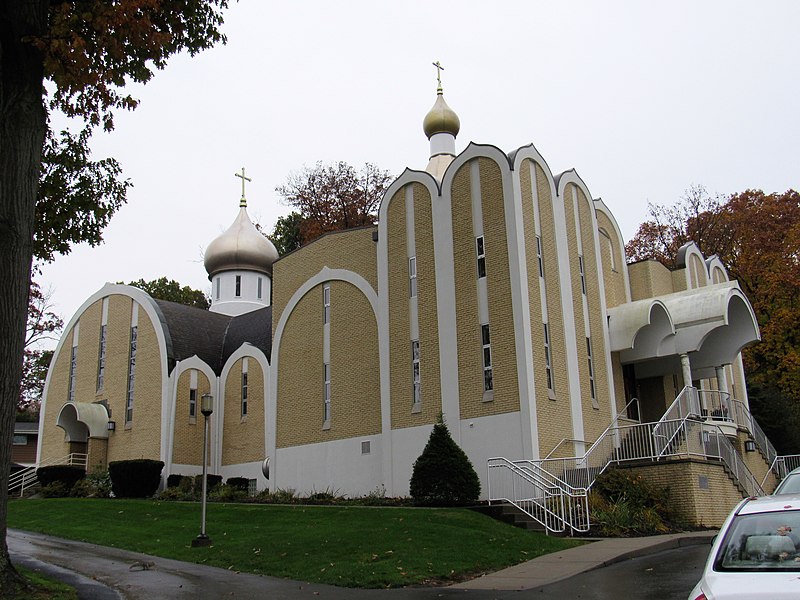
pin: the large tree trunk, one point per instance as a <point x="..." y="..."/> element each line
<point x="22" y="128"/>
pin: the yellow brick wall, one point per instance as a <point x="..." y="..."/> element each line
<point x="353" y="250"/>
<point x="649" y="278"/>
<point x="595" y="420"/>
<point x="554" y="417"/>
<point x="613" y="278"/>
<point x="756" y="463"/>
<point x="143" y="438"/>
<point x="701" y="507"/>
<point x="355" y="388"/>
<point x="470" y="360"/>
<point x="678" y="280"/>
<point x="243" y="437"/>
<point x="187" y="442"/>
<point x="399" y="326"/>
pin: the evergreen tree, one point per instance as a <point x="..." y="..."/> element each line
<point x="443" y="475"/>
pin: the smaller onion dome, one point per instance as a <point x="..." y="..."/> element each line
<point x="241" y="248"/>
<point x="441" y="118"/>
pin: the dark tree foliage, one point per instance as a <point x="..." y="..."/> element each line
<point x="286" y="234"/>
<point x="443" y="474"/>
<point x="335" y="196"/>
<point x="757" y="237"/>
<point x="171" y="290"/>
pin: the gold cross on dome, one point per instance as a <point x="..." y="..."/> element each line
<point x="439" y="69"/>
<point x="243" y="201"/>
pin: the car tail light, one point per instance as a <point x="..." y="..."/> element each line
<point x="702" y="596"/>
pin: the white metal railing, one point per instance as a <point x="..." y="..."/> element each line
<point x="782" y="466"/>
<point x="746" y="420"/>
<point x="537" y="495"/>
<point x="26" y="478"/>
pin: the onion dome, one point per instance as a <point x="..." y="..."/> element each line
<point x="441" y="118"/>
<point x="241" y="248"/>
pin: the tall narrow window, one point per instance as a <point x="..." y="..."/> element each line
<point x="260" y="280"/>
<point x="487" y="359"/>
<point x="73" y="367"/>
<point x="326" y="393"/>
<point x="131" y="375"/>
<point x="547" y="360"/>
<point x="244" y="393"/>
<point x="238" y="285"/>
<point x="591" y="366"/>
<point x="412" y="276"/>
<point x="101" y="359"/>
<point x="481" y="253"/>
<point x="539" y="255"/>
<point x="583" y="275"/>
<point x="326" y="304"/>
<point x="192" y="403"/>
<point x="216" y="285"/>
<point x="415" y="371"/>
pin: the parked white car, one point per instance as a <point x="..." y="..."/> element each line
<point x="756" y="553"/>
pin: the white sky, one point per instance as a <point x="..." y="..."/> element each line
<point x="643" y="99"/>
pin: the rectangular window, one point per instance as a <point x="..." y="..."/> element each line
<point x="591" y="366"/>
<point x="481" y="252"/>
<point x="412" y="276"/>
<point x="417" y="395"/>
<point x="260" y="279"/>
<point x="326" y="393"/>
<point x="487" y="358"/>
<point x="238" y="286"/>
<point x="547" y="360"/>
<point x="583" y="276"/>
<point x="193" y="403"/>
<point x="73" y="367"/>
<point x="20" y="440"/>
<point x="101" y="359"/>
<point x="216" y="284"/>
<point x="244" y="393"/>
<point x="131" y="375"/>
<point x="539" y="255"/>
<point x="326" y="304"/>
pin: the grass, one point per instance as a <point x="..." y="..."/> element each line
<point x="340" y="545"/>
<point x="43" y="588"/>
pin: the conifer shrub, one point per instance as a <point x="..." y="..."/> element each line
<point x="68" y="475"/>
<point x="135" y="478"/>
<point x="443" y="474"/>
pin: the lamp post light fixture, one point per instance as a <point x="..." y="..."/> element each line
<point x="206" y="407"/>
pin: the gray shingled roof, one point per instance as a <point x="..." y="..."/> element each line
<point x="213" y="337"/>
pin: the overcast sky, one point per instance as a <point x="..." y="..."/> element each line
<point x="643" y="99"/>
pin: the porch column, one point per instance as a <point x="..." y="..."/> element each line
<point x="724" y="394"/>
<point x="686" y="369"/>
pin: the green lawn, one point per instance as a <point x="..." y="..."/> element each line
<point x="340" y="545"/>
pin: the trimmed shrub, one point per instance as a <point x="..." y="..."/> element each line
<point x="96" y="484"/>
<point x="211" y="481"/>
<point x="66" y="474"/>
<point x="175" y="480"/>
<point x="135" y="478"/>
<point x="443" y="475"/>
<point x="240" y="483"/>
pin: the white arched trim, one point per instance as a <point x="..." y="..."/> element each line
<point x="246" y="350"/>
<point x="188" y="364"/>
<point x="619" y="257"/>
<point x="684" y="260"/>
<point x="325" y="274"/>
<point x="163" y="340"/>
<point x="715" y="265"/>
<point x="82" y="420"/>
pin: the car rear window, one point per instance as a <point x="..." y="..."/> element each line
<point x="790" y="485"/>
<point x="761" y="542"/>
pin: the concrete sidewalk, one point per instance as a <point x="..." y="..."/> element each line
<point x="167" y="579"/>
<point x="562" y="565"/>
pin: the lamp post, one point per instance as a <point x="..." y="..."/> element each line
<point x="206" y="407"/>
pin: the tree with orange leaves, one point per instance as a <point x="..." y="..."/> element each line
<point x="757" y="237"/>
<point x="88" y="50"/>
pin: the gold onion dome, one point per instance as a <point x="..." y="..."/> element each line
<point x="241" y="248"/>
<point x="441" y="118"/>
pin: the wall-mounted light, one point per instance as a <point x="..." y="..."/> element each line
<point x="749" y="446"/>
<point x="112" y="425"/>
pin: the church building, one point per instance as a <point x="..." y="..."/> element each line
<point x="491" y="290"/>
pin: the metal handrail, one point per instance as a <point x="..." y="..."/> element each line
<point x="27" y="477"/>
<point x="538" y="495"/>
<point x="744" y="418"/>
